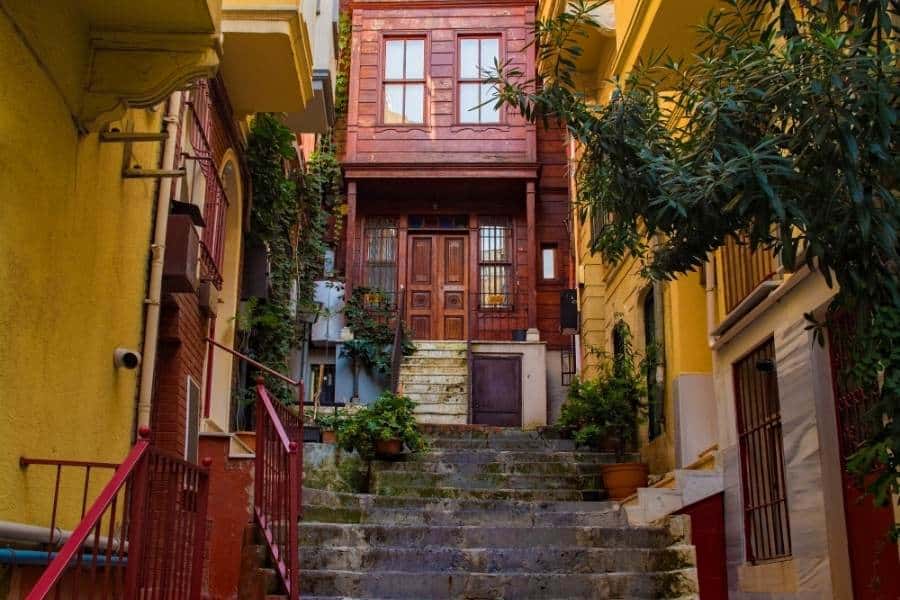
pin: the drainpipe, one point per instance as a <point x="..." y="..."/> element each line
<point x="157" y="251"/>
<point x="710" y="268"/>
<point x="35" y="534"/>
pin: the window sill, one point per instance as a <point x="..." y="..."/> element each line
<point x="773" y="577"/>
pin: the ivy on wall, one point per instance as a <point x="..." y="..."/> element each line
<point x="289" y="217"/>
<point x="342" y="80"/>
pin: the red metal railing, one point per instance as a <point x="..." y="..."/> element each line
<point x="199" y="109"/>
<point x="278" y="491"/>
<point x="142" y="537"/>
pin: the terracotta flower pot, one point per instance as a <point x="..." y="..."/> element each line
<point x="623" y="479"/>
<point x="329" y="436"/>
<point x="391" y="447"/>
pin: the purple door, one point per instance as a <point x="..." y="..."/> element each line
<point x="497" y="390"/>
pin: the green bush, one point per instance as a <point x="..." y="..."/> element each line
<point x="611" y="406"/>
<point x="389" y="417"/>
<point x="332" y="420"/>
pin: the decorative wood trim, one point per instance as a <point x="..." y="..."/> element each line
<point x="532" y="263"/>
<point x="436" y="170"/>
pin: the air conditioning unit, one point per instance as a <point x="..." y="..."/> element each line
<point x="181" y="263"/>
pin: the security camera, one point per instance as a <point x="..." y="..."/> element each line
<point x="126" y="358"/>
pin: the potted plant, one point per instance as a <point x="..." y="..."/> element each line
<point x="330" y="423"/>
<point x="383" y="428"/>
<point x="603" y="413"/>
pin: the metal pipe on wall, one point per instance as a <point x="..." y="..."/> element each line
<point x="157" y="252"/>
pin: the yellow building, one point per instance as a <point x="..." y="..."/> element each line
<point x="669" y="316"/>
<point x="89" y="93"/>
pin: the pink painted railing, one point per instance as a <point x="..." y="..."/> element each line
<point x="278" y="478"/>
<point x="142" y="537"/>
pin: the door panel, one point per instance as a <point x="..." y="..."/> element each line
<point x="437" y="282"/>
<point x="497" y="390"/>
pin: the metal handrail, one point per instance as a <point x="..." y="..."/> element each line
<point x="278" y="473"/>
<point x="397" y="354"/>
<point x="162" y="558"/>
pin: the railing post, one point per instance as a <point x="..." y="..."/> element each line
<point x="136" y="525"/>
<point x="258" y="467"/>
<point x="298" y="468"/>
<point x="197" y="561"/>
<point x="294" y="517"/>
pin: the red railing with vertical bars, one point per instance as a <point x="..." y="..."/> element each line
<point x="142" y="537"/>
<point x="278" y="490"/>
<point x="197" y="117"/>
<point x="277" y="493"/>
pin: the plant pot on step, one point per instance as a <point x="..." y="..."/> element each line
<point x="390" y="448"/>
<point x="623" y="479"/>
<point x="329" y="436"/>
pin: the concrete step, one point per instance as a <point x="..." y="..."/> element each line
<point x="437" y="585"/>
<point x="425" y="345"/>
<point x="354" y="534"/>
<point x="431" y="379"/>
<point x="543" y="559"/>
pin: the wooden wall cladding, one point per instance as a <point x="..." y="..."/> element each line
<point x="442" y="138"/>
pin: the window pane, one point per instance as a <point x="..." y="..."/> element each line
<point x="489" y="112"/>
<point x="415" y="59"/>
<point x="490" y="53"/>
<point x="468" y="58"/>
<point x="415" y="103"/>
<point x="548" y="260"/>
<point x="495" y="286"/>
<point x="393" y="103"/>
<point x="468" y="101"/>
<point x="393" y="59"/>
<point x="494" y="243"/>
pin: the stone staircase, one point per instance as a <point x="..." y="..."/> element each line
<point x="486" y="515"/>
<point x="436" y="378"/>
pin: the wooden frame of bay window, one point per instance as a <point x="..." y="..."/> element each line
<point x="384" y="80"/>
<point x="459" y="81"/>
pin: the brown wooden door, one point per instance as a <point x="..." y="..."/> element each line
<point x="437" y="286"/>
<point x="497" y="390"/>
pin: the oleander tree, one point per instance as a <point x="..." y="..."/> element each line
<point x="779" y="129"/>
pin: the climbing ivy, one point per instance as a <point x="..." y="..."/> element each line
<point x="288" y="217"/>
<point x="342" y="81"/>
<point x="369" y="314"/>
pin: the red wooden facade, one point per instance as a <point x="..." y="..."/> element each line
<point x="463" y="208"/>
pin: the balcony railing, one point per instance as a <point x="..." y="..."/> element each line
<point x="498" y="317"/>
<point x="198" y="118"/>
<point x="743" y="270"/>
<point x="142" y="537"/>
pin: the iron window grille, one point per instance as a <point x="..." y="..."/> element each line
<point x="766" y="521"/>
<point x="403" y="83"/>
<point x="381" y="254"/>
<point x="495" y="263"/>
<point x="477" y="97"/>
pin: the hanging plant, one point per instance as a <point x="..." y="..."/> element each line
<point x="370" y="314"/>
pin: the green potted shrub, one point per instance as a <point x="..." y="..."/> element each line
<point x="605" y="412"/>
<point x="331" y="423"/>
<point x="382" y="428"/>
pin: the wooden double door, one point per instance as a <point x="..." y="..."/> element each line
<point x="438" y="286"/>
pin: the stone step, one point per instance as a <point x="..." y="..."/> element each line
<point x="543" y="559"/>
<point x="437" y="585"/>
<point x="494" y="455"/>
<point x="420" y="517"/>
<point x="478" y="536"/>
<point x="525" y="494"/>
<point x="439" y="344"/>
<point x="449" y="405"/>
<point x="438" y="418"/>
<point x="431" y="369"/>
<point x="502" y="444"/>
<point x="449" y="353"/>
<point x="429" y="358"/>
<point x="470" y="481"/>
<point x="367" y="503"/>
<point x="551" y="467"/>
<point x="432" y="379"/>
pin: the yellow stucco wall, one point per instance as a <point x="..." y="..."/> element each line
<point x="606" y="291"/>
<point x="74" y="241"/>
